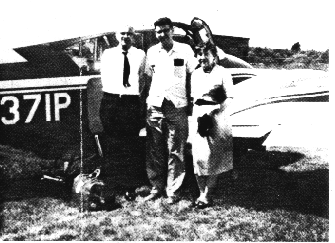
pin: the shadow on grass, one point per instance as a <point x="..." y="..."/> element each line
<point x="120" y="172"/>
<point x="2" y="183"/>
<point x="260" y="182"/>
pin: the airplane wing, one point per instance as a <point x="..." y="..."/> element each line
<point x="285" y="100"/>
<point x="51" y="50"/>
<point x="57" y="59"/>
<point x="230" y="61"/>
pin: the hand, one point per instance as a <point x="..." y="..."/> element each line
<point x="143" y="132"/>
<point x="226" y="106"/>
<point x="205" y="123"/>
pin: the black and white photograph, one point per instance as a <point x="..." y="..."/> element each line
<point x="165" y="120"/>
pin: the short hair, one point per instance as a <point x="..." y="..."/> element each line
<point x="163" y="21"/>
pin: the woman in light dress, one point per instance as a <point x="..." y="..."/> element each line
<point x="210" y="128"/>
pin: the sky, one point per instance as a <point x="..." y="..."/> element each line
<point x="272" y="24"/>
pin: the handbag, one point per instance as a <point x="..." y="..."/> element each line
<point x="205" y="123"/>
<point x="88" y="191"/>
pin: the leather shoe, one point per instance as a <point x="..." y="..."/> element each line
<point x="202" y="205"/>
<point x="194" y="204"/>
<point x="152" y="197"/>
<point x="130" y="195"/>
<point x="173" y="200"/>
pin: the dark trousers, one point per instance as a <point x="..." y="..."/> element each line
<point x="121" y="120"/>
<point x="120" y="115"/>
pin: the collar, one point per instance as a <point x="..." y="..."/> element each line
<point x="129" y="50"/>
<point x="173" y="49"/>
<point x="213" y="69"/>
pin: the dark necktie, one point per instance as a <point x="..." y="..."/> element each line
<point x="126" y="70"/>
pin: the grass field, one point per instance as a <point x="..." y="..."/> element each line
<point x="279" y="195"/>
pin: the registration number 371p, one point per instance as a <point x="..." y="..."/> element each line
<point x="60" y="101"/>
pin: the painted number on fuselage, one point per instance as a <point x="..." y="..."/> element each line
<point x="13" y="110"/>
<point x="14" y="106"/>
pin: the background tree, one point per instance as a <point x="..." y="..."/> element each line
<point x="325" y="56"/>
<point x="296" y="47"/>
<point x="288" y="59"/>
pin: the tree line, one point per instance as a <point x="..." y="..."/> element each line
<point x="288" y="59"/>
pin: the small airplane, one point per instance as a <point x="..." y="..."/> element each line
<point x="51" y="102"/>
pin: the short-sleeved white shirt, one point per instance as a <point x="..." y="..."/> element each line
<point x="204" y="83"/>
<point x="112" y="62"/>
<point x="168" y="71"/>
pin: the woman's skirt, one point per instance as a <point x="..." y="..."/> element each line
<point x="212" y="154"/>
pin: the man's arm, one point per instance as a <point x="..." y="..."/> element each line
<point x="227" y="83"/>
<point x="188" y="94"/>
<point x="191" y="65"/>
<point x="145" y="83"/>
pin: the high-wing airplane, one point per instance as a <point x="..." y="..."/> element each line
<point x="51" y="102"/>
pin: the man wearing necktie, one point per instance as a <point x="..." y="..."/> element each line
<point x="126" y="70"/>
<point x="121" y="111"/>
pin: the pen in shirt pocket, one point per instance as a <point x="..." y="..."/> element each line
<point x="153" y="68"/>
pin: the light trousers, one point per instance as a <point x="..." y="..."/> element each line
<point x="206" y="184"/>
<point x="167" y="132"/>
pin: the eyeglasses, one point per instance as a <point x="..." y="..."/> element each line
<point x="166" y="30"/>
<point x="126" y="33"/>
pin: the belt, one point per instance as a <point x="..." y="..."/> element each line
<point x="200" y="102"/>
<point x="121" y="95"/>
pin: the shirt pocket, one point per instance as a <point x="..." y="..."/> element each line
<point x="179" y="67"/>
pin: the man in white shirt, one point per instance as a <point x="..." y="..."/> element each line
<point x="170" y="65"/>
<point x="121" y="111"/>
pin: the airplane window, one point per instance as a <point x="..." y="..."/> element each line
<point x="85" y="50"/>
<point x="87" y="53"/>
<point x="85" y="56"/>
<point x="181" y="36"/>
<point x="179" y="31"/>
